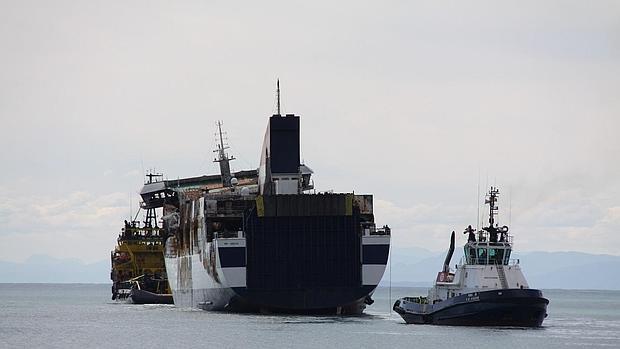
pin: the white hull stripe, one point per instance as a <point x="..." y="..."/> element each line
<point x="376" y="240"/>
<point x="372" y="274"/>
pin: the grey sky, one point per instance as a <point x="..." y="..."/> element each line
<point x="398" y="99"/>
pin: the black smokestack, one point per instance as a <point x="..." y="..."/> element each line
<point x="446" y="263"/>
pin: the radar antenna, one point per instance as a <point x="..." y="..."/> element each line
<point x="492" y="200"/>
<point x="493" y="229"/>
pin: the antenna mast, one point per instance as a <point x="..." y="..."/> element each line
<point x="492" y="200"/>
<point x="278" y="96"/>
<point x="478" y="203"/>
<point x="223" y="158"/>
<point x="510" y="209"/>
<point x="219" y="129"/>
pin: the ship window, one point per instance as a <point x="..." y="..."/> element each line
<point x="482" y="256"/>
<point x="499" y="258"/>
<point x="496" y="256"/>
<point x="470" y="254"/>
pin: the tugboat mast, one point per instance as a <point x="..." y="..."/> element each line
<point x="492" y="200"/>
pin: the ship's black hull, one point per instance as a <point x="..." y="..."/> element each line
<point x="325" y="301"/>
<point x="212" y="296"/>
<point x="146" y="297"/>
<point x="509" y="307"/>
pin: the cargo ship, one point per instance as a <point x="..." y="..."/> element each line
<point x="264" y="240"/>
<point x="138" y="270"/>
<point x="486" y="289"/>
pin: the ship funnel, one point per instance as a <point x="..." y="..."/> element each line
<point x="446" y="263"/>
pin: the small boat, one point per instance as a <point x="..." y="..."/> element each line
<point x="144" y="289"/>
<point x="152" y="294"/>
<point x="486" y="289"/>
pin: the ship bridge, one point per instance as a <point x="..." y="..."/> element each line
<point x="493" y="245"/>
<point x="486" y="252"/>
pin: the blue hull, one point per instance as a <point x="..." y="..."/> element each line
<point x="508" y="307"/>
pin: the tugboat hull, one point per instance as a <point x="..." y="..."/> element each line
<point x="507" y="307"/>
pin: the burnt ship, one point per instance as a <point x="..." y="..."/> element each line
<point x="264" y="240"/>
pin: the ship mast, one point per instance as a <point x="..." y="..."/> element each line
<point x="223" y="158"/>
<point x="278" y="96"/>
<point x="150" y="220"/>
<point x="492" y="200"/>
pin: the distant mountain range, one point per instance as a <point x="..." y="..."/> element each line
<point x="411" y="267"/>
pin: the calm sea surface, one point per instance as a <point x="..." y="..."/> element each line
<point x="73" y="316"/>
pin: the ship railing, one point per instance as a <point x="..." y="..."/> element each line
<point x="137" y="233"/>
<point x="515" y="261"/>
<point x="236" y="195"/>
<point x="229" y="234"/>
<point x="485" y="261"/>
<point x="372" y="231"/>
<point x="483" y="236"/>
<point x="419" y="300"/>
<point x="142" y="239"/>
<point x="480" y="261"/>
<point x="385" y="230"/>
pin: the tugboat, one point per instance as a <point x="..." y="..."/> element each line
<point x="138" y="271"/>
<point x="486" y="289"/>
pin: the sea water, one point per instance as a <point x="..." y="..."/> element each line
<point x="84" y="316"/>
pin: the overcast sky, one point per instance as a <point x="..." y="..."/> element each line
<point x="414" y="102"/>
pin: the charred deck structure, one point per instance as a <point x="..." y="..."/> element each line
<point x="264" y="241"/>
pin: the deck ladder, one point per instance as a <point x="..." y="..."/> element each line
<point x="502" y="275"/>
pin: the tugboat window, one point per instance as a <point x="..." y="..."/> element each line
<point x="499" y="258"/>
<point x="470" y="254"/>
<point x="482" y="256"/>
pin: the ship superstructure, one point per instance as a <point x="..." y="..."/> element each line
<point x="486" y="288"/>
<point x="264" y="241"/>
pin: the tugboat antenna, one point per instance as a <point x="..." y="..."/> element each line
<point x="492" y="199"/>
<point x="478" y="203"/>
<point x="510" y="207"/>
